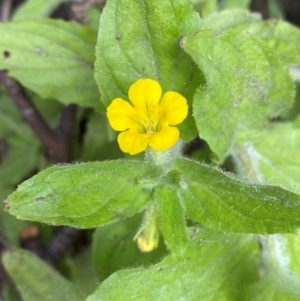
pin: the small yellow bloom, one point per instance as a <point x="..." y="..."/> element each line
<point x="149" y="121"/>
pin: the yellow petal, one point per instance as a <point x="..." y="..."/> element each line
<point x="174" y="107"/>
<point x="119" y="113"/>
<point x="145" y="93"/>
<point x="133" y="142"/>
<point x="164" y="139"/>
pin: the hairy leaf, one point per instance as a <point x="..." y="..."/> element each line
<point x="139" y="39"/>
<point x="220" y="21"/>
<point x="228" y="204"/>
<point x="171" y="213"/>
<point x="85" y="195"/>
<point x="280" y="270"/>
<point x="211" y="267"/>
<point x="35" y="280"/>
<point x="247" y="84"/>
<point x="51" y="57"/>
<point x="115" y="249"/>
<point x="282" y="37"/>
<point x="264" y="159"/>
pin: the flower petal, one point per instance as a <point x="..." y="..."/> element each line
<point x="164" y="139"/>
<point x="133" y="142"/>
<point x="174" y="107"/>
<point x="145" y="93"/>
<point x="119" y="113"/>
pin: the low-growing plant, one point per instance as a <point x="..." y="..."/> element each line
<point x="218" y="223"/>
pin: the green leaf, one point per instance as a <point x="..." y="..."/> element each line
<point x="264" y="159"/>
<point x="278" y="287"/>
<point x="11" y="121"/>
<point x="220" y="21"/>
<point x="16" y="166"/>
<point x="36" y="280"/>
<point x="82" y="272"/>
<point x="139" y="39"/>
<point x="115" y="249"/>
<point x="282" y="37"/>
<point x="85" y="195"/>
<point x="9" y="225"/>
<point x="280" y="269"/>
<point x="51" y="57"/>
<point x="35" y="9"/>
<point x="247" y="84"/>
<point x="225" y="203"/>
<point x="275" y="9"/>
<point x="100" y="140"/>
<point x="205" y="7"/>
<point x="228" y="4"/>
<point x="211" y="267"/>
<point x="171" y="214"/>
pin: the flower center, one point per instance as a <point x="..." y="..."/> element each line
<point x="149" y="120"/>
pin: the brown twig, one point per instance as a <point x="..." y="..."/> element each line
<point x="80" y="8"/>
<point x="60" y="244"/>
<point x="5" y="10"/>
<point x="57" y="148"/>
<point x="195" y="144"/>
<point x="65" y="131"/>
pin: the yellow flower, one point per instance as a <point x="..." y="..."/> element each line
<point x="149" y="121"/>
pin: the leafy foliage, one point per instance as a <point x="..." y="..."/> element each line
<point x="211" y="265"/>
<point x="242" y="84"/>
<point x="36" y="280"/>
<point x="81" y="195"/>
<point x="222" y="235"/>
<point x="127" y="51"/>
<point x="51" y="57"/>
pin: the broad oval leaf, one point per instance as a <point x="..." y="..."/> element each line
<point x="36" y="280"/>
<point x="51" y="57"/>
<point x="247" y="84"/>
<point x="227" y="204"/>
<point x="139" y="39"/>
<point x="85" y="195"/>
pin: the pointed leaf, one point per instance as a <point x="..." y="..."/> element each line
<point x="225" y="203"/>
<point x="84" y="195"/>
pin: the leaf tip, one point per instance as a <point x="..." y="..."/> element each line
<point x="6" y="205"/>
<point x="180" y="42"/>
